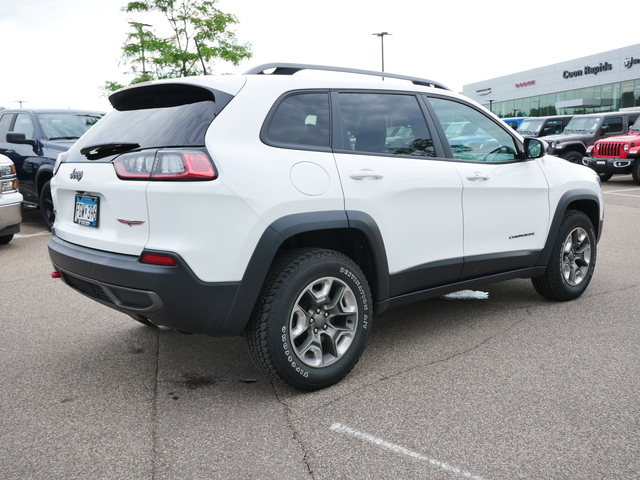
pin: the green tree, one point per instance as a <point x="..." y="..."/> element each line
<point x="200" y="35"/>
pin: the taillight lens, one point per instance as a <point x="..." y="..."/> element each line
<point x="162" y="259"/>
<point x="169" y="164"/>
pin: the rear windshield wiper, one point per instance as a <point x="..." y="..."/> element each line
<point x="95" y="152"/>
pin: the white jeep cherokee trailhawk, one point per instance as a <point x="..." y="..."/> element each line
<point x="291" y="208"/>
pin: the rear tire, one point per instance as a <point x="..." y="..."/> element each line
<point x="572" y="261"/>
<point x="46" y="206"/>
<point x="311" y="323"/>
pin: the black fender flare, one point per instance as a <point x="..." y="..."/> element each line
<point x="276" y="235"/>
<point x="563" y="205"/>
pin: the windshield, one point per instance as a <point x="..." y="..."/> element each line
<point x="636" y="126"/>
<point x="66" y="126"/>
<point x="530" y="127"/>
<point x="582" y="125"/>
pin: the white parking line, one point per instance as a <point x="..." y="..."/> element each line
<point x="19" y="235"/>
<point x="395" y="448"/>
<point x="626" y="190"/>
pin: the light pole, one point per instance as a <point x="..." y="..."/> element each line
<point x="381" y="35"/>
<point x="138" y="26"/>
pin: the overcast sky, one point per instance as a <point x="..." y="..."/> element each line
<point x="58" y="53"/>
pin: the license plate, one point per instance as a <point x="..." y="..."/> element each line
<point x="601" y="162"/>
<point x="86" y="211"/>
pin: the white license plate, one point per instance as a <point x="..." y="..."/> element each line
<point x="601" y="162"/>
<point x="86" y="212"/>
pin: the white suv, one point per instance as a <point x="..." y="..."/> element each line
<point x="291" y="208"/>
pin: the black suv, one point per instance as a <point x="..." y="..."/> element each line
<point x="584" y="130"/>
<point x="33" y="139"/>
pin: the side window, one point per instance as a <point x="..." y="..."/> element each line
<point x="473" y="136"/>
<point x="615" y="124"/>
<point x="555" y="127"/>
<point x="391" y="124"/>
<point x="301" y="120"/>
<point x="5" y="122"/>
<point x="24" y="125"/>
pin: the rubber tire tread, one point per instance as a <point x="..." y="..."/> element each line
<point x="635" y="172"/>
<point x="551" y="285"/>
<point x="260" y="327"/>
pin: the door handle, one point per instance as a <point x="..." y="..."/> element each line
<point x="366" y="173"/>
<point x="473" y="176"/>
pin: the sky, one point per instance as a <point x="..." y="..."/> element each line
<point x="59" y="53"/>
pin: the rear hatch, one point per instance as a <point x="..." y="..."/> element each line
<point x="156" y="132"/>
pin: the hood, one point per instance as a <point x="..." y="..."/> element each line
<point x="635" y="137"/>
<point x="567" y="137"/>
<point x="52" y="148"/>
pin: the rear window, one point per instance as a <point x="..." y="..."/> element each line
<point x="165" y="115"/>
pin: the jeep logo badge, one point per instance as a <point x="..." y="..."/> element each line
<point x="76" y="175"/>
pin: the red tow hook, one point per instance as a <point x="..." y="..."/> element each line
<point x="56" y="274"/>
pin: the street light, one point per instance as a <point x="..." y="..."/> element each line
<point x="381" y="35"/>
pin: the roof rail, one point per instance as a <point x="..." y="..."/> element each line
<point x="291" y="68"/>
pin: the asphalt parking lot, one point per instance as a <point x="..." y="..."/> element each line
<point x="499" y="385"/>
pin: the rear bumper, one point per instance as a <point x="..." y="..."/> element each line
<point x="172" y="297"/>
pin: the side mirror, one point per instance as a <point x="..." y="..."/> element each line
<point x="534" y="147"/>
<point x="604" y="129"/>
<point x="545" y="131"/>
<point x="13" y="137"/>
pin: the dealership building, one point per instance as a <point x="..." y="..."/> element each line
<point x="604" y="82"/>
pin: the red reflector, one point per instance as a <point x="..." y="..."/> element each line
<point x="158" y="259"/>
<point x="56" y="274"/>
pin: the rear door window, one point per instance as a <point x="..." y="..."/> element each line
<point x="390" y="124"/>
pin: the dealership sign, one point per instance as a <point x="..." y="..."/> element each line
<point x="630" y="62"/>
<point x="603" y="67"/>
<point x="525" y="84"/>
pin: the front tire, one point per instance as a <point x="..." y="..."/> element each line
<point x="311" y="323"/>
<point x="605" y="177"/>
<point x="5" y="239"/>
<point x="572" y="261"/>
<point x="635" y="171"/>
<point x="573" y="157"/>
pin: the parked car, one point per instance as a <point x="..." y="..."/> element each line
<point x="32" y="139"/>
<point x="514" y="122"/>
<point x="616" y="155"/>
<point x="289" y="208"/>
<point x="10" y="201"/>
<point x="543" y="126"/>
<point x="582" y="131"/>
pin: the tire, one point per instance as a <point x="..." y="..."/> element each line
<point x="311" y="323"/>
<point x="46" y="206"/>
<point x="6" y="239"/>
<point x="635" y="171"/>
<point x="605" y="176"/>
<point x="573" y="157"/>
<point x="572" y="261"/>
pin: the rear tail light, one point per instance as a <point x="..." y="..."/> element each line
<point x="173" y="164"/>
